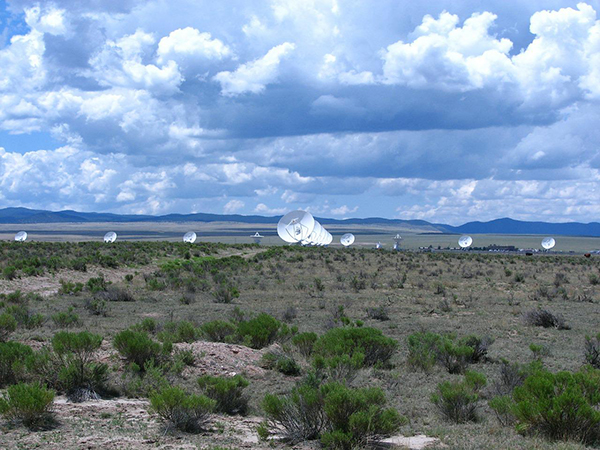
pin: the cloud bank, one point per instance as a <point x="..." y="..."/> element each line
<point x="436" y="110"/>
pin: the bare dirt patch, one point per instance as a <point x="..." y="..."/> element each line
<point x="216" y="358"/>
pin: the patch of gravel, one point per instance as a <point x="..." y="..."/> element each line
<point x="217" y="358"/>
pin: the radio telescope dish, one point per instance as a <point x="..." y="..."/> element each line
<point x="397" y="240"/>
<point x="257" y="237"/>
<point x="347" y="239"/>
<point x="313" y="238"/>
<point x="548" y="243"/>
<point x="189" y="237"/>
<point x="378" y="245"/>
<point x="328" y="238"/>
<point x="110" y="237"/>
<point x="21" y="236"/>
<point x="465" y="241"/>
<point x="295" y="226"/>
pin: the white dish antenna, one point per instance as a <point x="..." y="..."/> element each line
<point x="295" y="226"/>
<point x="328" y="239"/>
<point x="189" y="237"/>
<point x="465" y="241"/>
<point x="347" y="239"/>
<point x="314" y="237"/>
<point x="21" y="236"/>
<point x="548" y="243"/>
<point x="110" y="237"/>
<point x="257" y="237"/>
<point x="397" y="240"/>
<point x="378" y="245"/>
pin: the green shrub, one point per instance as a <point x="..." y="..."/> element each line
<point x="378" y="313"/>
<point x="283" y="363"/>
<point x="8" y="324"/>
<point x="65" y="319"/>
<point x="96" y="307"/>
<point x="12" y="358"/>
<point x="185" y="332"/>
<point x="148" y="325"/>
<point x="225" y="293"/>
<point x="370" y="342"/>
<point x="454" y="357"/>
<point x="458" y="401"/>
<point x="79" y="376"/>
<point x="139" y="383"/>
<point x="305" y="342"/>
<point x="218" y="330"/>
<point x="29" y="403"/>
<point x="479" y="345"/>
<point x="97" y="284"/>
<point x="259" y="331"/>
<point x="114" y="294"/>
<point x="591" y="350"/>
<point x="339" y="368"/>
<point x="342" y="417"/>
<point x="544" y="318"/>
<point x="69" y="288"/>
<point x="423" y="350"/>
<point x="298" y="416"/>
<point x="560" y="406"/>
<point x="356" y="416"/>
<point x="226" y="392"/>
<point x="25" y="317"/>
<point x="185" y="412"/>
<point x="137" y="347"/>
<point x="9" y="272"/>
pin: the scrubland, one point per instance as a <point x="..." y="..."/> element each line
<point x="167" y="345"/>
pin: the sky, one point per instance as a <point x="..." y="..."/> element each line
<point x="443" y="110"/>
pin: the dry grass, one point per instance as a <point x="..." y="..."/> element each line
<point x="480" y="297"/>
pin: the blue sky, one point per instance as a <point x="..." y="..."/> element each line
<point x="446" y="111"/>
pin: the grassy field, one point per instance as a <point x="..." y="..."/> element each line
<point x="315" y="290"/>
<point x="239" y="233"/>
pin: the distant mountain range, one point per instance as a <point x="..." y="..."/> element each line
<point x="498" y="226"/>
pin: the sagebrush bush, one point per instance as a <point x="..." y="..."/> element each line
<point x="218" y="330"/>
<point x="370" y="342"/>
<point x="356" y="416"/>
<point x="79" y="376"/>
<point x="544" y="318"/>
<point x="298" y="416"/>
<point x="96" y="284"/>
<point x="225" y="293"/>
<point x="137" y="347"/>
<point x="339" y="368"/>
<point x="227" y="392"/>
<point x="259" y="331"/>
<point x="592" y="351"/>
<point x="423" y="350"/>
<point x="560" y="406"/>
<point x="148" y="325"/>
<point x="341" y="417"/>
<point x="96" y="307"/>
<point x="65" y="319"/>
<point x="8" y="324"/>
<point x="29" y="403"/>
<point x="12" y="360"/>
<point x="454" y="357"/>
<point x="24" y="316"/>
<point x="280" y="361"/>
<point x="185" y="412"/>
<point x="378" y="313"/>
<point x="458" y="401"/>
<point x="114" y="294"/>
<point x="305" y="343"/>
